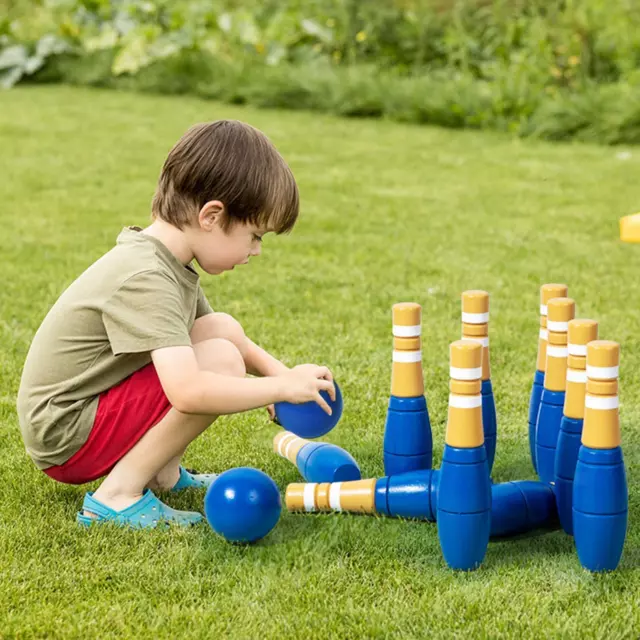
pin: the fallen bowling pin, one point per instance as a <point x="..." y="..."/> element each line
<point x="581" y="332"/>
<point x="316" y="461"/>
<point x="600" y="498"/>
<point x="547" y="292"/>
<point x="516" y="507"/>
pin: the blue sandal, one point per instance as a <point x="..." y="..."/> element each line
<point x="192" y="479"/>
<point x="146" y="513"/>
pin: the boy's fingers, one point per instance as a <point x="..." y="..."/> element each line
<point x="329" y="387"/>
<point x="323" y="404"/>
<point x="323" y="372"/>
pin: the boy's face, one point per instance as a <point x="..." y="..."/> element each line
<point x="216" y="250"/>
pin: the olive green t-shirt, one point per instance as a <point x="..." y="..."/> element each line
<point x="136" y="298"/>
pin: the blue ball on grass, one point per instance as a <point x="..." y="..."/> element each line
<point x="242" y="504"/>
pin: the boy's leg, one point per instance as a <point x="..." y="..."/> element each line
<point x="209" y="327"/>
<point x="219" y="325"/>
<point x="167" y="440"/>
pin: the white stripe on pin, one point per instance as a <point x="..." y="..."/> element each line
<point x="334" y="496"/>
<point x="595" y="402"/>
<point x="407" y="356"/>
<point x="292" y="441"/>
<point x="483" y="341"/>
<point x="544" y="334"/>
<point x="575" y="375"/>
<point x="557" y="327"/>
<point x="543" y="309"/>
<point x="465" y="374"/>
<point x="309" y="496"/>
<point x="405" y="331"/>
<point x="577" y="349"/>
<point x="283" y="442"/>
<point x="602" y="373"/>
<point x="465" y="402"/>
<point x="557" y="352"/>
<point x="475" y="318"/>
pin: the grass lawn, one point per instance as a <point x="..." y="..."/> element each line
<point x="389" y="213"/>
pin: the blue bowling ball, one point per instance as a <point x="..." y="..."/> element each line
<point x="242" y="504"/>
<point x="309" y="420"/>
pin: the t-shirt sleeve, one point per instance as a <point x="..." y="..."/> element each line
<point x="203" y="307"/>
<point x="144" y="314"/>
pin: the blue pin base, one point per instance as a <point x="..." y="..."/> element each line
<point x="464" y="507"/>
<point x="600" y="508"/>
<point x="547" y="430"/>
<point x="489" y="422"/>
<point x="565" y="469"/>
<point x="534" y="407"/>
<point x="411" y="495"/>
<point x="407" y="436"/>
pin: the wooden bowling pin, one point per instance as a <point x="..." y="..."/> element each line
<point x="547" y="292"/>
<point x="316" y="461"/>
<point x="560" y="311"/>
<point x="464" y="494"/>
<point x="581" y="332"/>
<point x="407" y="435"/>
<point x="600" y="498"/>
<point x="475" y="327"/>
<point x="516" y="507"/>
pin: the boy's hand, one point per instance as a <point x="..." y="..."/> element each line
<point x="305" y="382"/>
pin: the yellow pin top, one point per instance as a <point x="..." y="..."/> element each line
<point x="465" y="354"/>
<point x="601" y="420"/>
<point x="547" y="292"/>
<point x="552" y="290"/>
<point x="560" y="310"/>
<point x="582" y="332"/>
<point x="406" y="372"/>
<point x="476" y="302"/>
<point x="407" y="314"/>
<point x="604" y="354"/>
<point x="464" y="424"/>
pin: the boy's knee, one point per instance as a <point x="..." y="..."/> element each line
<point x="220" y="325"/>
<point x="220" y="356"/>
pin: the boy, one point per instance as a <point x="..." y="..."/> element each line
<point x="131" y="364"/>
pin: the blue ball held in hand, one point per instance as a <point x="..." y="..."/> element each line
<point x="242" y="504"/>
<point x="309" y="420"/>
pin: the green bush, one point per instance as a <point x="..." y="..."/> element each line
<point x="550" y="68"/>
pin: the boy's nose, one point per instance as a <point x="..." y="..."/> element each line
<point x="256" y="251"/>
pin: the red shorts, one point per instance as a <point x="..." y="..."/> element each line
<point x="125" y="413"/>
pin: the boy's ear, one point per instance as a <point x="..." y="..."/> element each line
<point x="211" y="214"/>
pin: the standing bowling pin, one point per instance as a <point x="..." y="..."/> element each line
<point x="560" y="311"/>
<point x="581" y="332"/>
<point x="475" y="326"/>
<point x="547" y="292"/>
<point x="464" y="494"/>
<point x="316" y="461"/>
<point x="407" y="434"/>
<point x="600" y="499"/>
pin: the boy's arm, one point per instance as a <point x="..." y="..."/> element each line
<point x="190" y="389"/>
<point x="261" y="363"/>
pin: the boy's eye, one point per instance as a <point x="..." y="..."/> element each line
<point x="257" y="237"/>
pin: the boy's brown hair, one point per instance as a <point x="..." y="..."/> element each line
<point x="233" y="162"/>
